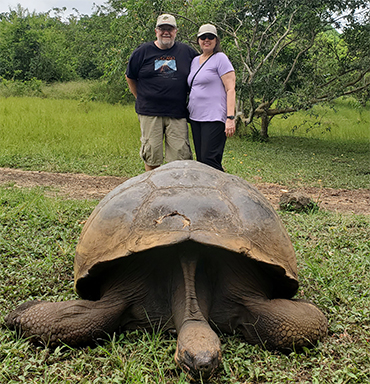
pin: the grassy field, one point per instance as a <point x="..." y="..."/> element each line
<point x="69" y="136"/>
<point x="345" y="120"/>
<point x="38" y="236"/>
<point x="103" y="139"/>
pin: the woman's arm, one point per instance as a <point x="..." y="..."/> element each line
<point x="228" y="79"/>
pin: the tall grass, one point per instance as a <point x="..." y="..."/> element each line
<point x="103" y="139"/>
<point x="297" y="161"/>
<point x="69" y="136"/>
<point x="93" y="90"/>
<point x="345" y="120"/>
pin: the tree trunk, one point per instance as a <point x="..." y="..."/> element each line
<point x="264" y="125"/>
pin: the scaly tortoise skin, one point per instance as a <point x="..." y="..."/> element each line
<point x="192" y="249"/>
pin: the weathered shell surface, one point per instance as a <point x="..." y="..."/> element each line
<point x="180" y="201"/>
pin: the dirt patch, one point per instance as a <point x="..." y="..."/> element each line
<point x="341" y="200"/>
<point x="70" y="185"/>
<point x="80" y="186"/>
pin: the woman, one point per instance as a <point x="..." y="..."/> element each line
<point x="212" y="98"/>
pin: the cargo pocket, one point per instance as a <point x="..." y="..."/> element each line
<point x="145" y="149"/>
<point x="185" y="152"/>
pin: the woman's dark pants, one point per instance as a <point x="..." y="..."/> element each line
<point x="209" y="142"/>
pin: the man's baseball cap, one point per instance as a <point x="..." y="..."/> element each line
<point x="166" y="19"/>
<point x="207" y="28"/>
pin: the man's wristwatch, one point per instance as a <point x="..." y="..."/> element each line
<point x="232" y="117"/>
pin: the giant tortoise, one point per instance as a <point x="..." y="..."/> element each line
<point x="190" y="248"/>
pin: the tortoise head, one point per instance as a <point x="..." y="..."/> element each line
<point x="198" y="351"/>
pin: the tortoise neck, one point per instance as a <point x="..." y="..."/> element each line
<point x="187" y="303"/>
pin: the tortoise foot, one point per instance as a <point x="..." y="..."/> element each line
<point x="13" y="319"/>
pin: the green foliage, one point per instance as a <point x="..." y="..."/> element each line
<point x="44" y="47"/>
<point x="287" y="56"/>
<point x="91" y="38"/>
<point x="29" y="88"/>
<point x="296" y="206"/>
<point x="34" y="46"/>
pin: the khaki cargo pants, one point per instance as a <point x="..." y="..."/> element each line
<point x="175" y="133"/>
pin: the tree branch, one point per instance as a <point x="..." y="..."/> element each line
<point x="297" y="58"/>
<point x="285" y="34"/>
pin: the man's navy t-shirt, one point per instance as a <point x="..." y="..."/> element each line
<point x="161" y="78"/>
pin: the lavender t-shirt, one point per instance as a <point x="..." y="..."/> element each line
<point x="207" y="99"/>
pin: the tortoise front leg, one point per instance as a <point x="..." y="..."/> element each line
<point x="71" y="322"/>
<point x="284" y="324"/>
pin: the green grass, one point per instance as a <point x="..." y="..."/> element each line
<point x="38" y="235"/>
<point x="325" y="147"/>
<point x="102" y="139"/>
<point x="90" y="90"/>
<point x="69" y="136"/>
<point x="72" y="90"/>
<point x="37" y="242"/>
<point x="298" y="161"/>
<point x="345" y="120"/>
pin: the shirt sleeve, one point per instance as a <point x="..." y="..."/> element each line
<point x="133" y="66"/>
<point x="224" y="65"/>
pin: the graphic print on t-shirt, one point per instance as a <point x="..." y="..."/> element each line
<point x="165" y="66"/>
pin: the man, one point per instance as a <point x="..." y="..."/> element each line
<point x="156" y="75"/>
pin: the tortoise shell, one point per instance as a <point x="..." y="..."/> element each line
<point x="178" y="202"/>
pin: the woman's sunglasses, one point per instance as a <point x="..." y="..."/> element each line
<point x="207" y="36"/>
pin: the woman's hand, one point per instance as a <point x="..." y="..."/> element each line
<point x="230" y="127"/>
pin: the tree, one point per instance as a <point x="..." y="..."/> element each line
<point x="287" y="54"/>
<point x="52" y="49"/>
<point x="91" y="38"/>
<point x="34" y="46"/>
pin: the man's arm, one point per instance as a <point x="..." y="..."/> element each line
<point x="132" y="85"/>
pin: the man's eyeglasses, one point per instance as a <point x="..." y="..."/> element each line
<point x="207" y="36"/>
<point x="166" y="29"/>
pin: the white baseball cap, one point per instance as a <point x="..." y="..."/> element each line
<point x="166" y="19"/>
<point x="207" y="28"/>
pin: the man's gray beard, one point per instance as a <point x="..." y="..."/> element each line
<point x="166" y="45"/>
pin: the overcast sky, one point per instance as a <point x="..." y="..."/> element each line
<point x="84" y="6"/>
